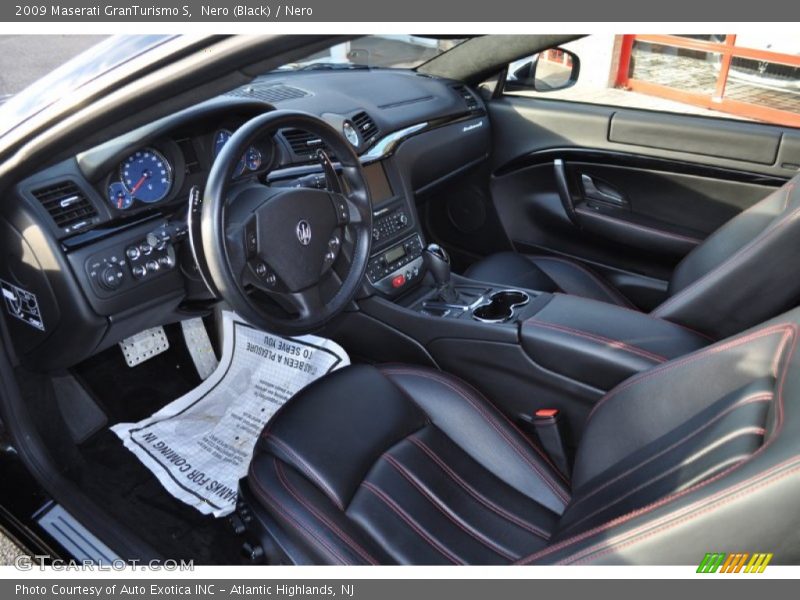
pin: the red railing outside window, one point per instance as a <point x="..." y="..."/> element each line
<point x="713" y="72"/>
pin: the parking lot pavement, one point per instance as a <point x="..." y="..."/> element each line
<point x="26" y="58"/>
<point x="8" y="551"/>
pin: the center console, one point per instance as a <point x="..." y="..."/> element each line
<point x="528" y="349"/>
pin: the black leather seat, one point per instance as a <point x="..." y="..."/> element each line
<point x="735" y="279"/>
<point x="409" y="465"/>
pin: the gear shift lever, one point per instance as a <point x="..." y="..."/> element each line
<point x="437" y="261"/>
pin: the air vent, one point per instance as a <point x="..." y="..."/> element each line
<point x="303" y="143"/>
<point x="472" y="102"/>
<point x="366" y="127"/>
<point x="269" y="93"/>
<point x="68" y="205"/>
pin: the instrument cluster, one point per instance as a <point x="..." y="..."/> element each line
<point x="154" y="174"/>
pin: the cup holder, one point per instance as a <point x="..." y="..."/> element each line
<point x="500" y="307"/>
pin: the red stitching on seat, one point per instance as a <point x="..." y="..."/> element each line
<point x="616" y="344"/>
<point x="737" y="256"/>
<point x="700" y="354"/>
<point x="474" y="534"/>
<point x="687" y="328"/>
<point x="476" y="494"/>
<point x="758" y="397"/>
<point x="760" y="431"/>
<point x="551" y="483"/>
<point x="579" y="557"/>
<point x="412" y="523"/>
<point x="350" y="542"/>
<point x="291" y="517"/>
<point x="615" y="295"/>
<point x="303" y="466"/>
<point x="790" y="328"/>
<point x="464" y="393"/>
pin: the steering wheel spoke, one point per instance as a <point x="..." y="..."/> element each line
<point x="307" y="302"/>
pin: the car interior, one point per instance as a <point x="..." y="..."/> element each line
<point x="572" y="326"/>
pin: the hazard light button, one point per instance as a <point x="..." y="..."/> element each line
<point x="398" y="281"/>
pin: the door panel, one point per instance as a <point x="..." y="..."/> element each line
<point x="737" y="140"/>
<point x="521" y="125"/>
<point x="632" y="202"/>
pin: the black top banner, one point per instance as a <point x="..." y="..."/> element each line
<point x="231" y="11"/>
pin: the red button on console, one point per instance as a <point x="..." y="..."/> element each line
<point x="398" y="281"/>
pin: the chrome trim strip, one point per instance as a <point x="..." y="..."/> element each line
<point x="386" y="145"/>
<point x="382" y="149"/>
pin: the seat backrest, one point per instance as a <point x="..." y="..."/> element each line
<point x="743" y="273"/>
<point x="700" y="454"/>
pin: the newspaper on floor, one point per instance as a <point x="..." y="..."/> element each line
<point x="200" y="445"/>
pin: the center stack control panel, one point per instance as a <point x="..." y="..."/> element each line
<point x="394" y="269"/>
<point x="388" y="223"/>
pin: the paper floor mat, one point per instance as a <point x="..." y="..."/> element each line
<point x="200" y="445"/>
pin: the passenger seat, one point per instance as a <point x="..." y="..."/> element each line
<point x="741" y="275"/>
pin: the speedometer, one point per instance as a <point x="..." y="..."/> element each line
<point x="146" y="175"/>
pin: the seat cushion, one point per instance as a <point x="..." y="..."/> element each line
<point x="545" y="274"/>
<point x="403" y="465"/>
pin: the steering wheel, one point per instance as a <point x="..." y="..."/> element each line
<point x="287" y="260"/>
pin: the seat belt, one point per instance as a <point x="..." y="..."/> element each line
<point x="547" y="425"/>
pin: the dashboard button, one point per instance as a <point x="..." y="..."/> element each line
<point x="398" y="281"/>
<point x="111" y="278"/>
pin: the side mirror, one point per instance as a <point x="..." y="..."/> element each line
<point x="553" y="69"/>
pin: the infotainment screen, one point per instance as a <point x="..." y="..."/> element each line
<point x="379" y="187"/>
<point x="394" y="254"/>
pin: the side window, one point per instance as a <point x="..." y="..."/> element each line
<point x="750" y="77"/>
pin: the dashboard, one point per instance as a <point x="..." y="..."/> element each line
<point x="104" y="241"/>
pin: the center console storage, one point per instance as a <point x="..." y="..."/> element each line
<point x="601" y="344"/>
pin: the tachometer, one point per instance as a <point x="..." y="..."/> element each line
<point x="146" y="175"/>
<point x="220" y="139"/>
<point x="119" y="197"/>
<point x="253" y="158"/>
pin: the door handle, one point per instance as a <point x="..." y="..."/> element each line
<point x="602" y="192"/>
<point x="562" y="186"/>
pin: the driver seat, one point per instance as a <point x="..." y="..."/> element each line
<point x="408" y="465"/>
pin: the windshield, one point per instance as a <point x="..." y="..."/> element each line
<point x="383" y="51"/>
<point x="72" y="75"/>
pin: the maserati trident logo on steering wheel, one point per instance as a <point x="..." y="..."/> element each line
<point x="303" y="231"/>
